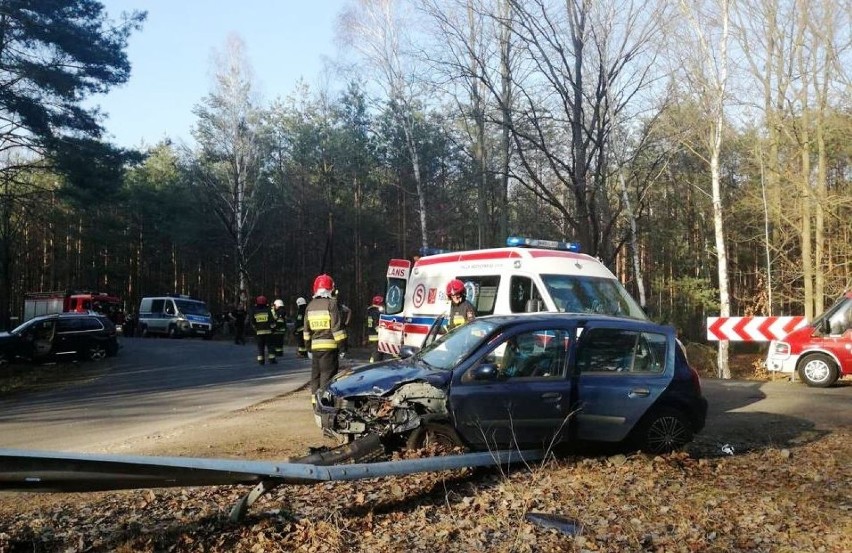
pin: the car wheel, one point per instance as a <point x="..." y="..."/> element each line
<point x="440" y="436"/>
<point x="143" y="331"/>
<point x="818" y="370"/>
<point x="4" y="359"/>
<point x="96" y="352"/>
<point x="173" y="333"/>
<point x="663" y="431"/>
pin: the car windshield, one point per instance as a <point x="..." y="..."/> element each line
<point x="20" y="328"/>
<point x="582" y="294"/>
<point x="450" y="349"/>
<point x="192" y="307"/>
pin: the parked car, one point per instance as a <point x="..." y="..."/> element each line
<point x="60" y="336"/>
<point x="533" y="380"/>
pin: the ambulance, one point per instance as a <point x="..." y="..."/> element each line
<point x="528" y="275"/>
<point x="819" y="352"/>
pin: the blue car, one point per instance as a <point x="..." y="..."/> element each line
<point x="531" y="380"/>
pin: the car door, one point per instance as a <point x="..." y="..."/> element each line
<point x="526" y="402"/>
<point x="621" y="371"/>
<point x="40" y="337"/>
<point x="68" y="336"/>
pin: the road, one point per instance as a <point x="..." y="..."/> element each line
<point x="156" y="385"/>
<point x="152" y="386"/>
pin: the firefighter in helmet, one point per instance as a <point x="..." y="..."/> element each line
<point x="263" y="322"/>
<point x="325" y="336"/>
<point x="299" y="329"/>
<point x="372" y="321"/>
<point x="461" y="310"/>
<point x="279" y="329"/>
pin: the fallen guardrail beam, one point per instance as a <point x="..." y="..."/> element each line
<point x="58" y="471"/>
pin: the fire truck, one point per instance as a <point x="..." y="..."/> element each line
<point x="45" y="303"/>
<point x="819" y="352"/>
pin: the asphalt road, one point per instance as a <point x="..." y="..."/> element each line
<point x="155" y="385"/>
<point x="152" y="386"/>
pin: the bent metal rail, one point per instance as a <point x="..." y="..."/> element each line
<point x="54" y="471"/>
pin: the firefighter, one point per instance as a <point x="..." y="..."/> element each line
<point x="325" y="337"/>
<point x="372" y="322"/>
<point x="345" y="313"/>
<point x="461" y="310"/>
<point x="279" y="330"/>
<point x="263" y="322"/>
<point x="299" y="330"/>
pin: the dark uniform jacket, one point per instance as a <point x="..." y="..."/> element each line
<point x="324" y="326"/>
<point x="372" y="322"/>
<point x="460" y="314"/>
<point x="262" y="319"/>
<point x="280" y="318"/>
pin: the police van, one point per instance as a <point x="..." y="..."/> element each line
<point x="526" y="276"/>
<point x="175" y="316"/>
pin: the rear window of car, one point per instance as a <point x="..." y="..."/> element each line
<point x="91" y="323"/>
<point x="68" y="325"/>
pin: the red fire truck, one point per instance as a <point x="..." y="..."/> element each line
<point x="44" y="303"/>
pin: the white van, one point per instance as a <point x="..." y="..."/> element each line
<point x="175" y="316"/>
<point x="528" y="276"/>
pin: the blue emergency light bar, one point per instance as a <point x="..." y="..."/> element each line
<point x="521" y="242"/>
<point x="432" y="251"/>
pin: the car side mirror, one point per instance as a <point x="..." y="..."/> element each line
<point x="407" y="351"/>
<point x="485" y="371"/>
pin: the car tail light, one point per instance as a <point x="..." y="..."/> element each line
<point x="696" y="380"/>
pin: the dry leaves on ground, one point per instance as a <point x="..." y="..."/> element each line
<point x="766" y="500"/>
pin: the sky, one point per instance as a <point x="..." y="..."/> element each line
<point x="171" y="58"/>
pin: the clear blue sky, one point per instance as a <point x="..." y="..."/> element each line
<point x="171" y="58"/>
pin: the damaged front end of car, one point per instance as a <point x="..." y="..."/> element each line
<point x="391" y="415"/>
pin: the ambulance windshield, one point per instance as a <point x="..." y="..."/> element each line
<point x="583" y="294"/>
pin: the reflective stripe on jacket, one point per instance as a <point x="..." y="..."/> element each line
<point x="323" y="325"/>
<point x="262" y="319"/>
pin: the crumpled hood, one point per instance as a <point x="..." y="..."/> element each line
<point x="380" y="378"/>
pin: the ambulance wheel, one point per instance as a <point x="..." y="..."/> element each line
<point x="818" y="370"/>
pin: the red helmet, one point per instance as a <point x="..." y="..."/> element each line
<point x="378" y="300"/>
<point x="323" y="282"/>
<point x="455" y="287"/>
<point x="261" y="300"/>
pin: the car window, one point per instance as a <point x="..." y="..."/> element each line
<point x="535" y="354"/>
<point x="611" y="350"/>
<point x="481" y="292"/>
<point x="68" y="325"/>
<point x="91" y="323"/>
<point x="583" y="294"/>
<point x="454" y="347"/>
<point x="524" y="296"/>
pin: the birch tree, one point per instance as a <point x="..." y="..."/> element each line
<point x="226" y="166"/>
<point x="376" y="30"/>
<point x="707" y="75"/>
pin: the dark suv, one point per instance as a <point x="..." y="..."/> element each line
<point x="59" y="337"/>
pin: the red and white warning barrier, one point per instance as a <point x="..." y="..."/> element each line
<point x="752" y="329"/>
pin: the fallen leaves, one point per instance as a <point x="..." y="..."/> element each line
<point x="793" y="499"/>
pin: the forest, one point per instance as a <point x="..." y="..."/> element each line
<point x="700" y="149"/>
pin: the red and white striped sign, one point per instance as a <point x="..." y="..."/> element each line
<point x="752" y="329"/>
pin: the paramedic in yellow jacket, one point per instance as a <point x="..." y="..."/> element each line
<point x="461" y="310"/>
<point x="325" y="336"/>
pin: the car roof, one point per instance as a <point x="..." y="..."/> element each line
<point x="578" y="318"/>
<point x="69" y="315"/>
